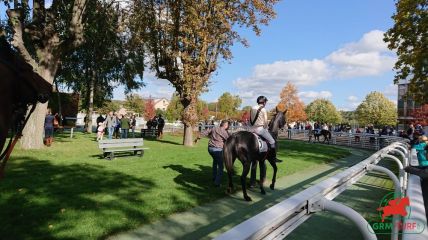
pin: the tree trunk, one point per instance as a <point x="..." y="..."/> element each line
<point x="34" y="129"/>
<point x="189" y="119"/>
<point x="90" y="110"/>
<point x="188" y="136"/>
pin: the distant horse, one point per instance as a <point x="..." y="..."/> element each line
<point x="244" y="146"/>
<point x="20" y="87"/>
<point x="317" y="133"/>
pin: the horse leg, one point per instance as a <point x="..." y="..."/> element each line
<point x="246" y="165"/>
<point x="262" y="165"/>
<point x="253" y="175"/>
<point x="275" y="169"/>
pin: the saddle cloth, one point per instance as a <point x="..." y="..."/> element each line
<point x="262" y="144"/>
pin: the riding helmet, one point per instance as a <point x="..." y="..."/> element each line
<point x="261" y="99"/>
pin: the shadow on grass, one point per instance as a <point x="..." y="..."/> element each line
<point x="153" y="139"/>
<point x="233" y="208"/>
<point x="64" y="202"/>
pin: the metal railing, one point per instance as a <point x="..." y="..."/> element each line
<point x="281" y="219"/>
<point x="356" y="140"/>
<point x="417" y="214"/>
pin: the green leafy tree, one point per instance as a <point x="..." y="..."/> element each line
<point x="377" y="109"/>
<point x="228" y="104"/>
<point x="105" y="59"/>
<point x="43" y="36"/>
<point x="186" y="39"/>
<point x="323" y="111"/>
<point x="108" y="106"/>
<point x="409" y="38"/>
<point x="174" y="109"/>
<point x="135" y="102"/>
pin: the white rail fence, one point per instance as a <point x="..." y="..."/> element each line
<point x="281" y="219"/>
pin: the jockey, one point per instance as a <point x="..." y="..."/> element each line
<point x="259" y="122"/>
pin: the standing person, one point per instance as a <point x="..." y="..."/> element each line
<point x="218" y="136"/>
<point x="133" y="125"/>
<point x="100" y="130"/>
<point x="49" y="128"/>
<point x="117" y="127"/>
<point x="161" y="125"/>
<point x="100" y="119"/>
<point x="124" y="125"/>
<point x="111" y="124"/>
<point x="259" y="122"/>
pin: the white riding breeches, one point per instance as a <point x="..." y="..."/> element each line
<point x="265" y="134"/>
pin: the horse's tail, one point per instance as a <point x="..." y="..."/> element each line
<point x="228" y="155"/>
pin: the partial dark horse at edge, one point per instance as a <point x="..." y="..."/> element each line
<point x="244" y="146"/>
<point x="20" y="87"/>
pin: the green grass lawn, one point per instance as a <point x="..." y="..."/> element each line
<point x="68" y="192"/>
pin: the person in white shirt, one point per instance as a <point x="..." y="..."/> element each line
<point x="259" y="122"/>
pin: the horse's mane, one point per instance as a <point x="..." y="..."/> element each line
<point x="276" y="121"/>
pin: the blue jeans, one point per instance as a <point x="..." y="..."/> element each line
<point x="110" y="132"/>
<point x="125" y="133"/>
<point x="217" y="155"/>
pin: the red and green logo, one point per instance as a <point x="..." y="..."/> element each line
<point x="398" y="206"/>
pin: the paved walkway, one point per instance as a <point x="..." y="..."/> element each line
<point x="209" y="220"/>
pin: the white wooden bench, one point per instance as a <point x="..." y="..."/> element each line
<point x="111" y="146"/>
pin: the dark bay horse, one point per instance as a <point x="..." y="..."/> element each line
<point x="20" y="87"/>
<point x="317" y="133"/>
<point x="244" y="146"/>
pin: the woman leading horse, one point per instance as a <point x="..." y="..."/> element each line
<point x="244" y="146"/>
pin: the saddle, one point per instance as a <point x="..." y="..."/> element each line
<point x="262" y="143"/>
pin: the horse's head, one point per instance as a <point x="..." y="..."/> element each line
<point x="278" y="121"/>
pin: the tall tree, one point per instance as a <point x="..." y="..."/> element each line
<point x="421" y="115"/>
<point x="229" y="104"/>
<point x="294" y="106"/>
<point x="187" y="37"/>
<point x="43" y="36"/>
<point x="107" y="57"/>
<point x="377" y="109"/>
<point x="134" y="102"/>
<point x="323" y="111"/>
<point x="409" y="38"/>
<point x="174" y="109"/>
<point x="149" y="109"/>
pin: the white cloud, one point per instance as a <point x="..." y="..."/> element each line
<point x="352" y="103"/>
<point x="391" y="91"/>
<point x="368" y="56"/>
<point x="311" y="95"/>
<point x="352" y="98"/>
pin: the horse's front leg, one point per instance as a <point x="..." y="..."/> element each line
<point x="253" y="174"/>
<point x="230" y="187"/>
<point x="262" y="165"/>
<point x="245" y="171"/>
<point x="275" y="169"/>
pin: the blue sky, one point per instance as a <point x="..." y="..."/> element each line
<point x="330" y="49"/>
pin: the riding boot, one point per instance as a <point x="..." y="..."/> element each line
<point x="274" y="152"/>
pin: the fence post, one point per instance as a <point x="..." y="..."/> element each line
<point x="364" y="227"/>
<point x="397" y="193"/>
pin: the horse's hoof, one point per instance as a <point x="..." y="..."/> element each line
<point x="272" y="186"/>
<point x="248" y="199"/>
<point x="263" y="192"/>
